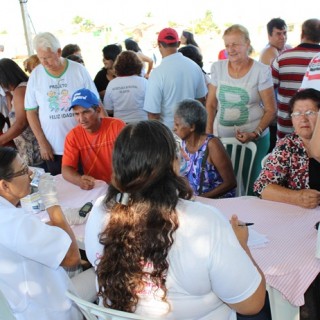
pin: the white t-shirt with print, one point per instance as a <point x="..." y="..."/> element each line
<point x="207" y="265"/>
<point x="239" y="102"/>
<point x="52" y="96"/>
<point x="125" y="97"/>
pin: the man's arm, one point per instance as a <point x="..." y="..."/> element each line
<point x="211" y="107"/>
<point x="70" y="161"/>
<point x="83" y="181"/>
<point x="268" y="55"/>
<point x="153" y="116"/>
<point x="45" y="147"/>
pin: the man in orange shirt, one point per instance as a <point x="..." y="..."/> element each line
<point x="89" y="145"/>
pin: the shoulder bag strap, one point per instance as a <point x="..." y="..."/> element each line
<point x="203" y="168"/>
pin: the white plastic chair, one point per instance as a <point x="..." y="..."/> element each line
<point x="264" y="160"/>
<point x="237" y="152"/>
<point x="91" y="311"/>
<point x="5" y="310"/>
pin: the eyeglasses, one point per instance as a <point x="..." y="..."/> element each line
<point x="308" y="114"/>
<point x="19" y="173"/>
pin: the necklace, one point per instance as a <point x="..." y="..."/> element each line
<point x="194" y="147"/>
<point x="241" y="70"/>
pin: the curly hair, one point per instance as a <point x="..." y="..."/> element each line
<point x="30" y="63"/>
<point x="141" y="232"/>
<point x="127" y="64"/>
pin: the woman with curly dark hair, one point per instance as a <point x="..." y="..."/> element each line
<point x="156" y="252"/>
<point x="124" y="97"/>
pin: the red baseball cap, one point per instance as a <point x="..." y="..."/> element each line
<point x="168" y="35"/>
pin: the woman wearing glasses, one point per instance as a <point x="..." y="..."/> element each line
<point x="32" y="253"/>
<point x="291" y="174"/>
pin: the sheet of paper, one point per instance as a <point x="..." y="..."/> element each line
<point x="256" y="239"/>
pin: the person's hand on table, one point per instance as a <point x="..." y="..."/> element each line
<point x="308" y="198"/>
<point x="87" y="182"/>
<point x="240" y="230"/>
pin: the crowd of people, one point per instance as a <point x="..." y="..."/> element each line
<point x="133" y="126"/>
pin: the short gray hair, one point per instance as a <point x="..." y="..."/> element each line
<point x="192" y="112"/>
<point x="45" y="41"/>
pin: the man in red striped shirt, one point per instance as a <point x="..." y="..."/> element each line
<point x="288" y="70"/>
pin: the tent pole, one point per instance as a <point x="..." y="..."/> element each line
<point x="26" y="26"/>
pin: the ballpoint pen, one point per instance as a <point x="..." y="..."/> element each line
<point x="246" y="224"/>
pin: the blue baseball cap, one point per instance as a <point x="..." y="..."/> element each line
<point x="84" y="98"/>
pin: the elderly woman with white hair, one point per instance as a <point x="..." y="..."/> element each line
<point x="47" y="101"/>
<point x="209" y="168"/>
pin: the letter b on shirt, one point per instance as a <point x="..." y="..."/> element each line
<point x="233" y="104"/>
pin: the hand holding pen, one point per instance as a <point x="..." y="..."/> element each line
<point x="240" y="230"/>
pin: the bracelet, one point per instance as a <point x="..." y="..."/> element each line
<point x="258" y="131"/>
<point x="256" y="135"/>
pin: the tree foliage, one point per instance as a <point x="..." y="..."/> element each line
<point x="77" y="20"/>
<point x="85" y="25"/>
<point x="206" y="24"/>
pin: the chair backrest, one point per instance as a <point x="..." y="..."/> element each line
<point x="5" y="310"/>
<point x="91" y="311"/>
<point x="239" y="154"/>
<point x="264" y="160"/>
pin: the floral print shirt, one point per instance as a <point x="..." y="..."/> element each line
<point x="287" y="165"/>
<point x="212" y="177"/>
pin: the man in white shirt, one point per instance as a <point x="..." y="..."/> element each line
<point x="176" y="78"/>
<point x="49" y="90"/>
